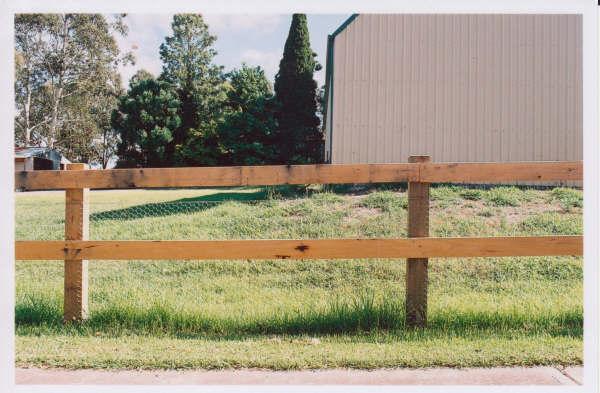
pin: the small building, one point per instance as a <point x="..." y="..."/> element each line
<point x="38" y="158"/>
<point x="457" y="87"/>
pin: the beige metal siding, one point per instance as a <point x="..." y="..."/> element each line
<point x="458" y="87"/>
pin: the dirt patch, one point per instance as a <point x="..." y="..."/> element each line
<point x="511" y="214"/>
<point x="358" y="214"/>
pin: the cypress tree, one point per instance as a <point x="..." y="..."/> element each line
<point x="299" y="138"/>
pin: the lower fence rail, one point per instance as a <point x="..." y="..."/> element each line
<point x="300" y="249"/>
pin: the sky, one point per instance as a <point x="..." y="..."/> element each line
<point x="253" y="39"/>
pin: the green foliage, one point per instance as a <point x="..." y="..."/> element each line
<point x="246" y="132"/>
<point x="299" y="138"/>
<point x="445" y="195"/>
<point x="201" y="147"/>
<point x="471" y="194"/>
<point x="567" y="197"/>
<point x="145" y="119"/>
<point x="552" y="224"/>
<point x="187" y="57"/>
<point x="505" y="196"/>
<point x="67" y="82"/>
<point x="440" y="192"/>
<point x="386" y="201"/>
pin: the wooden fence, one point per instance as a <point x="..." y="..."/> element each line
<point x="419" y="172"/>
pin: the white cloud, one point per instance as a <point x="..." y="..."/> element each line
<point x="237" y="22"/>
<point x="269" y="61"/>
<point x="146" y="33"/>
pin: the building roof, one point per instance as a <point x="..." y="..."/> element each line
<point x="43" y="152"/>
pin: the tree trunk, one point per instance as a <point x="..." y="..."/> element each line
<point x="58" y="89"/>
<point x="27" y="116"/>
<point x="57" y="95"/>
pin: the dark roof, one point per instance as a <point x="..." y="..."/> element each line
<point x="344" y="25"/>
<point x="42" y="152"/>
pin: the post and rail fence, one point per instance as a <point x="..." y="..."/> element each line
<point x="76" y="250"/>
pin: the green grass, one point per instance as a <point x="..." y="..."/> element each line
<point x="508" y="196"/>
<point x="567" y="197"/>
<point x="472" y="194"/>
<point x="286" y="314"/>
<point x="386" y="201"/>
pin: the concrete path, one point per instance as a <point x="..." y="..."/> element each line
<point x="432" y="376"/>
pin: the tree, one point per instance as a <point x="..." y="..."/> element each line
<point x="66" y="81"/>
<point x="187" y="58"/>
<point x="145" y="120"/>
<point x="86" y="134"/>
<point x="104" y="146"/>
<point x="29" y="75"/>
<point x="321" y="102"/>
<point x="140" y="75"/>
<point x="246" y="132"/>
<point x="299" y="138"/>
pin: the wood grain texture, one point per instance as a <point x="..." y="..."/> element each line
<point x="299" y="249"/>
<point x="217" y="176"/>
<point x="416" y="268"/>
<point x="468" y="172"/>
<point x="76" y="269"/>
<point x="299" y="174"/>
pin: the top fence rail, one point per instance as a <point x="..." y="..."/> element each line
<point x="489" y="172"/>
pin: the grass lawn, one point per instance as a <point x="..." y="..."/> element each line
<point x="285" y="314"/>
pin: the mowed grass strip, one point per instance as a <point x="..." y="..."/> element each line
<point x="303" y="314"/>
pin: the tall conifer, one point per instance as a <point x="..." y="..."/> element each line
<point x="299" y="139"/>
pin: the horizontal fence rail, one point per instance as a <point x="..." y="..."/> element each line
<point x="301" y="249"/>
<point x="300" y="174"/>
<point x="419" y="172"/>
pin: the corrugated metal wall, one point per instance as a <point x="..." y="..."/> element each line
<point x="457" y="87"/>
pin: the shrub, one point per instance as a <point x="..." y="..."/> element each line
<point x="567" y="197"/>
<point x="445" y="195"/>
<point x="505" y="196"/>
<point x="552" y="224"/>
<point x="471" y="194"/>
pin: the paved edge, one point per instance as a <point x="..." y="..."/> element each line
<point x="429" y="376"/>
<point x="574" y="373"/>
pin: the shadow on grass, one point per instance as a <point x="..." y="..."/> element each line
<point x="363" y="315"/>
<point x="178" y="206"/>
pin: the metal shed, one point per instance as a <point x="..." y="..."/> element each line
<point x="38" y="158"/>
<point x="458" y="87"/>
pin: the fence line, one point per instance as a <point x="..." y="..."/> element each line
<point x="301" y="174"/>
<point x="76" y="250"/>
<point x="423" y="247"/>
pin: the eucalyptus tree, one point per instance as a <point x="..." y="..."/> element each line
<point x="30" y="50"/>
<point x="66" y="65"/>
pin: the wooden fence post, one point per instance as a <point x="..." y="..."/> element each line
<point x="416" y="268"/>
<point x="76" y="270"/>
